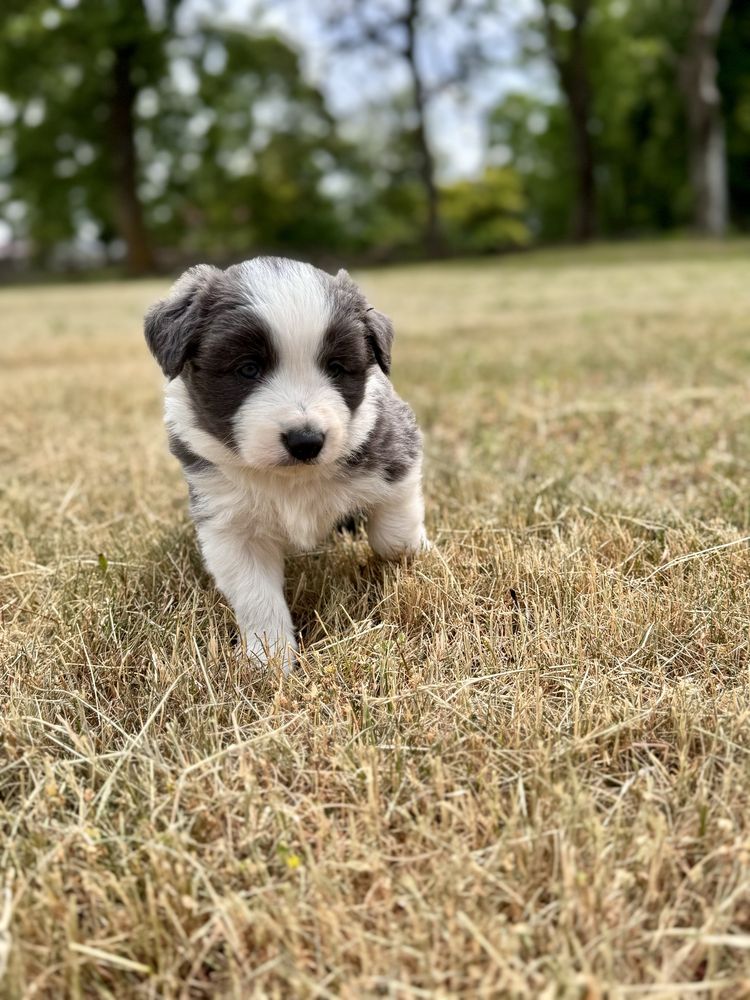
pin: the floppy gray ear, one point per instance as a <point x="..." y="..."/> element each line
<point x="380" y="337"/>
<point x="379" y="328"/>
<point x="173" y="326"/>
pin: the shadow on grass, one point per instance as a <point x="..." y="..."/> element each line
<point x="330" y="589"/>
<point x="170" y="592"/>
<point x="113" y="642"/>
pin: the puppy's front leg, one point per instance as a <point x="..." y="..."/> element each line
<point x="250" y="574"/>
<point x="396" y="526"/>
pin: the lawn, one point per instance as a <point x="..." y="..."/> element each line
<point x="518" y="767"/>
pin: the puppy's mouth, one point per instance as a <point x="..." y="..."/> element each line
<point x="289" y="466"/>
<point x="299" y="463"/>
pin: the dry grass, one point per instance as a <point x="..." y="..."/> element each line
<point x="518" y="768"/>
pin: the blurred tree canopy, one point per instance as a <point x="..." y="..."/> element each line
<point x="74" y="75"/>
<point x="628" y="151"/>
<point x="132" y="133"/>
<point x="209" y="143"/>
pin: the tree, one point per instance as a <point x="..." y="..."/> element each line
<point x="698" y="75"/>
<point x="130" y="34"/>
<point x="73" y="74"/>
<point x="532" y="136"/>
<point x="250" y="157"/>
<point x="734" y="85"/>
<point x="400" y="31"/>
<point x="566" y="29"/>
<point x="394" y="27"/>
<point x="636" y="120"/>
<point x="425" y="159"/>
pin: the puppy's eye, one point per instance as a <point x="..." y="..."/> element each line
<point x="336" y="369"/>
<point x="248" y="370"/>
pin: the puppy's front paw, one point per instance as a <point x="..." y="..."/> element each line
<point x="417" y="547"/>
<point x="425" y="545"/>
<point x="278" y="650"/>
<point x="394" y="548"/>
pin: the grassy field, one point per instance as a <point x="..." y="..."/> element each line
<point x="519" y="767"/>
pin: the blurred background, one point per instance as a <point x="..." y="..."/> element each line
<point x="137" y="136"/>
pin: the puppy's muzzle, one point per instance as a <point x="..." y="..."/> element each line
<point x="304" y="443"/>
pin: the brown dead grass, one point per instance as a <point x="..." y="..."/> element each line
<point x="520" y="767"/>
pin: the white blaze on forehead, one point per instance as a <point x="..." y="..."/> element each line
<point x="292" y="299"/>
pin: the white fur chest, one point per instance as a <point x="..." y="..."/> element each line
<point x="297" y="511"/>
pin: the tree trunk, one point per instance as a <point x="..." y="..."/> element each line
<point x="573" y="74"/>
<point x="707" y="152"/>
<point x="433" y="237"/>
<point x="128" y="208"/>
<point x="579" y="99"/>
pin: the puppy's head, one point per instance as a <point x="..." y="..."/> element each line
<point x="276" y="357"/>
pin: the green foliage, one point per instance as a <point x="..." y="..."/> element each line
<point x="532" y="136"/>
<point x="637" y="127"/>
<point x="55" y="65"/>
<point x="247" y="153"/>
<point x="485" y="215"/>
<point x="390" y="200"/>
<point x="391" y="217"/>
<point x="234" y="146"/>
<point x="642" y="134"/>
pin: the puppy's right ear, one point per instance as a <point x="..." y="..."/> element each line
<point x="174" y="325"/>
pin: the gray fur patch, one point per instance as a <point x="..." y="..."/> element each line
<point x="394" y="443"/>
<point x="191" y="464"/>
<point x="198" y="514"/>
<point x="188" y="459"/>
<point x="214" y="380"/>
<point x="345" y="359"/>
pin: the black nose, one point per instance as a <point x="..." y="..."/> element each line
<point x="304" y="444"/>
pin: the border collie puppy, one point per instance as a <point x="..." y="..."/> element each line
<point x="279" y="407"/>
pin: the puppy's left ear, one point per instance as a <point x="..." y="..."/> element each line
<point x="380" y="337"/>
<point x="174" y="325"/>
<point x="379" y="329"/>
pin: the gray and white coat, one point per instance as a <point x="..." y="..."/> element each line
<point x="279" y="408"/>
